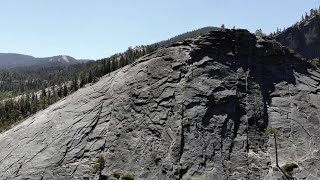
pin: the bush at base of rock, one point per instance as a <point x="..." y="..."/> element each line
<point x="116" y="174"/>
<point x="127" y="176"/>
<point x="289" y="167"/>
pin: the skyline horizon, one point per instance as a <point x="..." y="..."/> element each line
<point x="85" y="30"/>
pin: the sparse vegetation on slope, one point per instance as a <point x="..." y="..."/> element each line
<point x="289" y="167"/>
<point x="99" y="165"/>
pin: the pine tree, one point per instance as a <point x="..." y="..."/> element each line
<point x="83" y="80"/>
<point x="99" y="165"/>
<point x="222" y="27"/>
<point x="312" y="12"/>
<point x="65" y="90"/>
<point x="114" y="64"/>
<point x="103" y="61"/>
<point x="90" y="78"/>
<point x="122" y="62"/>
<point x="21" y="103"/>
<point x="34" y="103"/>
<point x="259" y="32"/>
<point x="28" y="104"/>
<point x="44" y="93"/>
<point x="75" y="85"/>
<point x="60" y="91"/>
<point x="108" y="66"/>
<point x="49" y="97"/>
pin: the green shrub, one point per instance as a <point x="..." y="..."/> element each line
<point x="127" y="176"/>
<point x="289" y="167"/>
<point x="116" y="174"/>
<point x="270" y="131"/>
<point x="99" y="165"/>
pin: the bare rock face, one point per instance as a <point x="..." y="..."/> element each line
<point x="303" y="38"/>
<point x="193" y="110"/>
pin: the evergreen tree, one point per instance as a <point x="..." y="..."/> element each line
<point x="65" y="90"/>
<point x="75" y="85"/>
<point x="114" y="65"/>
<point x="83" y="80"/>
<point x="90" y="77"/>
<point x="54" y="94"/>
<point x="122" y="61"/>
<point x="60" y="94"/>
<point x="108" y="66"/>
<point x="44" y="93"/>
<point x="222" y="27"/>
<point x="28" y="104"/>
<point x="259" y="32"/>
<point x="49" y="101"/>
<point x="275" y="133"/>
<point x="103" y="69"/>
<point x="34" y="104"/>
<point x="99" y="165"/>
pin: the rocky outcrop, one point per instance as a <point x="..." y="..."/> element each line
<point x="193" y="110"/>
<point x="303" y="37"/>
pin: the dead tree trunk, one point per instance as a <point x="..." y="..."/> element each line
<point x="276" y="147"/>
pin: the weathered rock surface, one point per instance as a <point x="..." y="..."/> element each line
<point x="193" y="110"/>
<point x="303" y="38"/>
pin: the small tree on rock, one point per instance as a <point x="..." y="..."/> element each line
<point x="222" y="27"/>
<point x="275" y="133"/>
<point x="99" y="165"/>
<point x="259" y="32"/>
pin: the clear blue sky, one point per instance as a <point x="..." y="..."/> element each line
<point x="99" y="28"/>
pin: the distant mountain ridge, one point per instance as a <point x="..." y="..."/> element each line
<point x="12" y="60"/>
